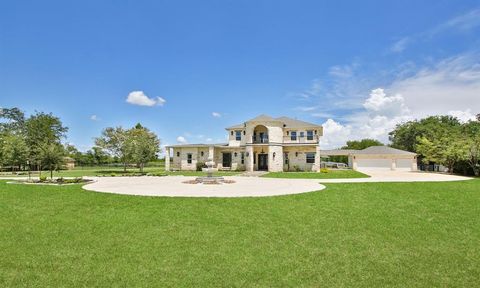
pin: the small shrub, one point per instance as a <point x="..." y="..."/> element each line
<point x="43" y="178"/>
<point x="60" y="180"/>
<point x="296" y="168"/>
<point x="324" y="170"/>
<point x="200" y="165"/>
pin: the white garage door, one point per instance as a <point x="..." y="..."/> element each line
<point x="404" y="164"/>
<point x="372" y="164"/>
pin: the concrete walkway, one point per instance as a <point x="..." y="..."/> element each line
<point x="173" y="186"/>
<point x="398" y="176"/>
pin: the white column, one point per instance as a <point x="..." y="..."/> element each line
<point x="211" y="154"/>
<point x="414" y="164"/>
<point x="167" y="158"/>
<point x="394" y="165"/>
<point x="354" y="163"/>
<point x="316" y="166"/>
<point x="249" y="158"/>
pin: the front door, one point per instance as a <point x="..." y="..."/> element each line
<point x="227" y="160"/>
<point x="262" y="161"/>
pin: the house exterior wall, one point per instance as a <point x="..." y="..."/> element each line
<point x="275" y="148"/>
<point x="297" y="158"/>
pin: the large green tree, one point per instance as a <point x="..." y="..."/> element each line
<point x="13" y="120"/>
<point x="472" y="132"/>
<point x="117" y="143"/>
<point x="406" y="136"/>
<point x="51" y="156"/>
<point x="14" y="150"/>
<point x="42" y="130"/>
<point x="145" y="145"/>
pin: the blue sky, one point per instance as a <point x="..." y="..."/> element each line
<point x="357" y="67"/>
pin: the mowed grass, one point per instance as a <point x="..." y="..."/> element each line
<point x="362" y="235"/>
<point x="331" y="174"/>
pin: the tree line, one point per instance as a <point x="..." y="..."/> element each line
<point x="37" y="142"/>
<point x="442" y="140"/>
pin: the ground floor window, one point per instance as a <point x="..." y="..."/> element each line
<point x="311" y="158"/>
<point x="285" y="157"/>
<point x="242" y="158"/>
<point x="189" y="158"/>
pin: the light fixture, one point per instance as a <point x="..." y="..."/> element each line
<point x="247" y="154"/>
<point x="235" y="154"/>
<point x="274" y="155"/>
<point x="296" y="154"/>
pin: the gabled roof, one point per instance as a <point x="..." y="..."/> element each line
<point x="383" y="150"/>
<point x="294" y="123"/>
<point x="288" y="122"/>
<point x="263" y="117"/>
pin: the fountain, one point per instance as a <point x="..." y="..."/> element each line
<point x="210" y="179"/>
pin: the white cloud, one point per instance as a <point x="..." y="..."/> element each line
<point x="380" y="116"/>
<point x="463" y="116"/>
<point x="380" y="104"/>
<point x="452" y="84"/>
<point x="335" y="134"/>
<point x="181" y="140"/>
<point x="466" y="21"/>
<point x="139" y="98"/>
<point x="343" y="71"/>
<point x="306" y="109"/>
<point x="400" y="45"/>
<point x="216" y="114"/>
<point x="94" y="118"/>
<point x="209" y="139"/>
<point x="321" y="115"/>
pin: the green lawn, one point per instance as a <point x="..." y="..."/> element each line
<point x="316" y="175"/>
<point x="362" y="235"/>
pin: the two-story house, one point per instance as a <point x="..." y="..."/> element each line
<point x="262" y="143"/>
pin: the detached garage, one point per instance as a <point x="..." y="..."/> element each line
<point x="377" y="158"/>
<point x="383" y="158"/>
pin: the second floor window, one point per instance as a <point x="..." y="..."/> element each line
<point x="238" y="135"/>
<point x="310" y="135"/>
<point x="189" y="158"/>
<point x="293" y="135"/>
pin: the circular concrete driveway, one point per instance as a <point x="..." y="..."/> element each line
<point x="173" y="186"/>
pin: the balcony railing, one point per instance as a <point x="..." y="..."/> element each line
<point x="300" y="139"/>
<point x="260" y="140"/>
<point x="288" y="139"/>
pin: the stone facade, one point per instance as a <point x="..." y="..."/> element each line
<point x="262" y="143"/>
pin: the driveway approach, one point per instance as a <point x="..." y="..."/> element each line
<point x="173" y="186"/>
<point x="379" y="175"/>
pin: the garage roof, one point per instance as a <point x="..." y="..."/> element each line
<point x="383" y="150"/>
<point x="373" y="150"/>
